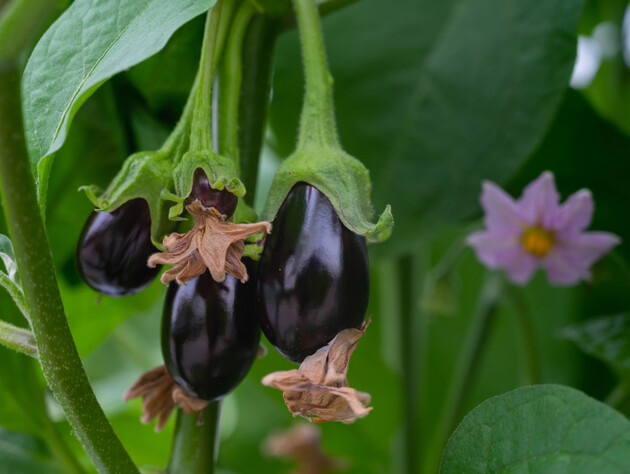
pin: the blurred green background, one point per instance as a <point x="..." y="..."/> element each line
<point x="433" y="96"/>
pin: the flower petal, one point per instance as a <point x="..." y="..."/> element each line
<point x="501" y="211"/>
<point x="521" y="268"/>
<point x="571" y="260"/>
<point x="574" y="215"/>
<point x="494" y="250"/>
<point x="538" y="205"/>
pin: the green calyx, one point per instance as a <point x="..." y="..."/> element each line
<point x="166" y="176"/>
<point x="143" y="175"/>
<point x="222" y="174"/>
<point x="342" y="178"/>
<point x="319" y="159"/>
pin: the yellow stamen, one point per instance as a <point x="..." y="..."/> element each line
<point x="537" y="241"/>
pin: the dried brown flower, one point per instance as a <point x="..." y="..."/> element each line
<point x="318" y="390"/>
<point x="212" y="243"/>
<point x="302" y="443"/>
<point x="160" y="393"/>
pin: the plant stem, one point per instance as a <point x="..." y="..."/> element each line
<point x="59" y="358"/>
<point x="195" y="446"/>
<point x="528" y="333"/>
<point x="18" y="339"/>
<point x="201" y="132"/>
<point x="59" y="447"/>
<point x="410" y="362"/>
<point x="14" y="291"/>
<point x="317" y="122"/>
<point x="255" y="93"/>
<point x="231" y="75"/>
<point x="325" y="8"/>
<point x="465" y="370"/>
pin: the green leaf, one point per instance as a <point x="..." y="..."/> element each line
<point x="466" y="96"/>
<point x="25" y="454"/>
<point x="606" y="338"/>
<point x="544" y="428"/>
<point x="88" y="44"/>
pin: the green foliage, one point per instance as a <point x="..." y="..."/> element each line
<point x="546" y="428"/>
<point x="26" y="454"/>
<point x="572" y="153"/>
<point x="606" y="338"/>
<point x="467" y="95"/>
<point x="86" y="46"/>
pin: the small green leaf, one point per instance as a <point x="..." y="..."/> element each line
<point x="544" y="428"/>
<point x="606" y="338"/>
<point x="87" y="45"/>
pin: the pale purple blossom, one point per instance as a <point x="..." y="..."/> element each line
<point x="537" y="231"/>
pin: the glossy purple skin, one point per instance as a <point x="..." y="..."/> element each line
<point x="313" y="278"/>
<point x="223" y="201"/>
<point x="113" y="250"/>
<point x="210" y="334"/>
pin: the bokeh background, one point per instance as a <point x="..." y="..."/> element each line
<point x="433" y="96"/>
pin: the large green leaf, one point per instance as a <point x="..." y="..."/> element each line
<point x="545" y="428"/>
<point x="88" y="44"/>
<point x="435" y="96"/>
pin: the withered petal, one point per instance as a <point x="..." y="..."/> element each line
<point x="319" y="388"/>
<point x="212" y="243"/>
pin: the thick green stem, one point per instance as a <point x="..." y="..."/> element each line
<point x="465" y="370"/>
<point x="18" y="339"/>
<point x="231" y="75"/>
<point x="255" y="93"/>
<point x="59" y="358"/>
<point x="195" y="446"/>
<point x="317" y="122"/>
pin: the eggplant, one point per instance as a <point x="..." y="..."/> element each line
<point x="114" y="248"/>
<point x="222" y="200"/>
<point x="313" y="278"/>
<point x="210" y="334"/>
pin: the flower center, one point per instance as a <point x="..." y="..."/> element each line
<point x="537" y="241"/>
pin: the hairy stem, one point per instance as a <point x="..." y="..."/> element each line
<point x="317" y="122"/>
<point x="59" y="358"/>
<point x="201" y="133"/>
<point x="195" y="445"/>
<point x="18" y="339"/>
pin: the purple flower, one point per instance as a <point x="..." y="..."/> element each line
<point x="537" y="231"/>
